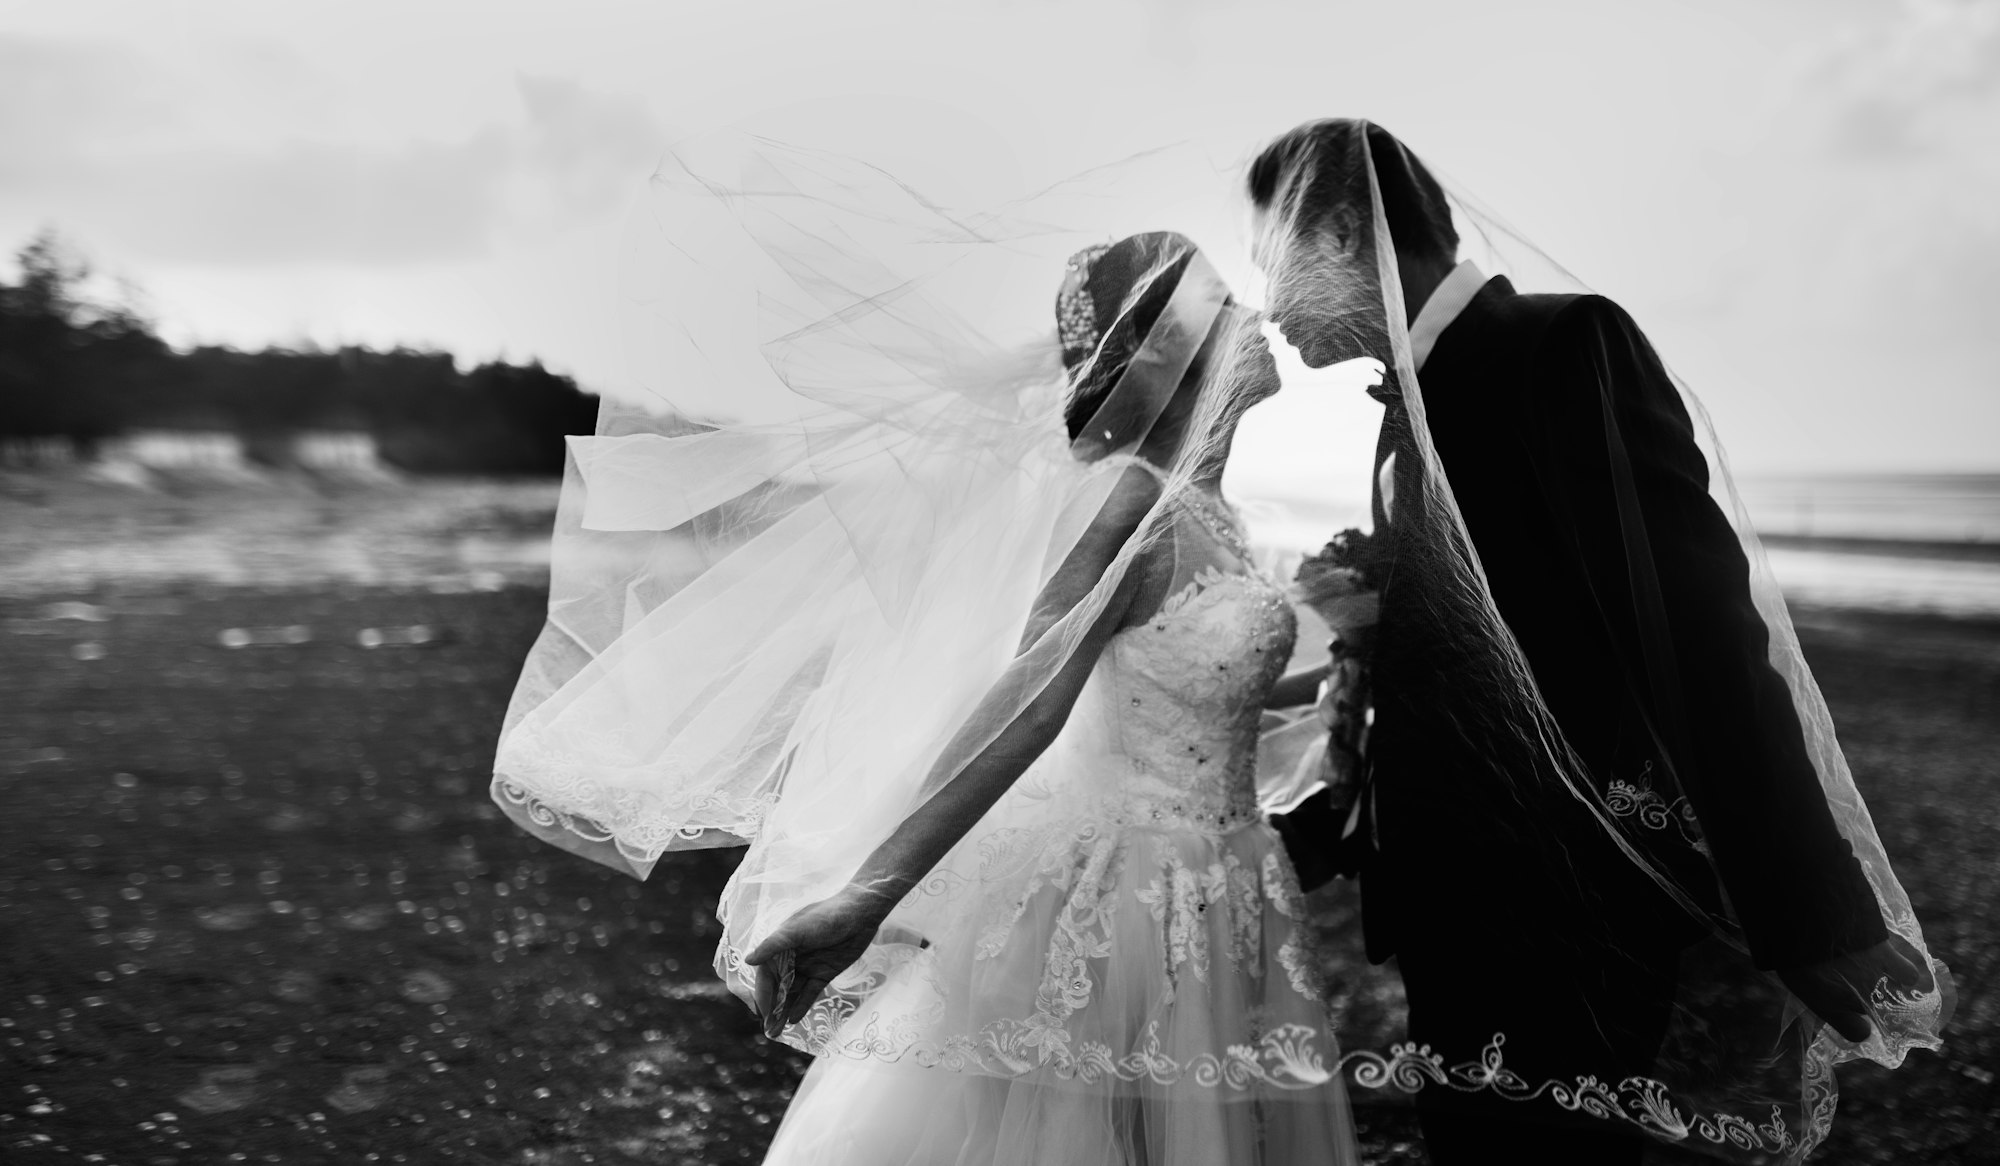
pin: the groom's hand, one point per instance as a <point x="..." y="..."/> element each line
<point x="1837" y="990"/>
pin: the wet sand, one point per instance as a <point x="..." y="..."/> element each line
<point x="253" y="900"/>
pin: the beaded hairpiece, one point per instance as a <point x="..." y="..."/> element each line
<point x="1076" y="312"/>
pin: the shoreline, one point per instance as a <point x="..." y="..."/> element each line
<point x="1942" y="550"/>
<point x="62" y="536"/>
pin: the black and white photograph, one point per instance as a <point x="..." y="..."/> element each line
<point x="1000" y="582"/>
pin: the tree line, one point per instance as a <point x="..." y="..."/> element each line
<point x="75" y="367"/>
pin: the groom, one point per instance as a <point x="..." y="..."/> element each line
<point x="1574" y="464"/>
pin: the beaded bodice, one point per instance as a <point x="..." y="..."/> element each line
<point x="1183" y="694"/>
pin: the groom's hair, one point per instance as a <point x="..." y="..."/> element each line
<point x="1414" y="204"/>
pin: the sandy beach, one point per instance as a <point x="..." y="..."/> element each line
<point x="254" y="902"/>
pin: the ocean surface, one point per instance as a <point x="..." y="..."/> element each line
<point x="1920" y="507"/>
<point x="1911" y="543"/>
<point x="1907" y="543"/>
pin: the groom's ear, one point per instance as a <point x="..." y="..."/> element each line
<point x="1272" y="234"/>
<point x="1261" y="243"/>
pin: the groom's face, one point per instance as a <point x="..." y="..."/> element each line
<point x="1304" y="266"/>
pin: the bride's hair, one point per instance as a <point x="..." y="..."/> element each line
<point x="1112" y="297"/>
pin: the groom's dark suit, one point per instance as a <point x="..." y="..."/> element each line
<point x="1575" y="961"/>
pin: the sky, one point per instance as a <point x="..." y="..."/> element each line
<point x="1799" y="200"/>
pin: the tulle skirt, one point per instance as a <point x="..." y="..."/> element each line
<point x="1145" y="997"/>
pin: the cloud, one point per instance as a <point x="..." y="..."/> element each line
<point x="1876" y="185"/>
<point x="1913" y="83"/>
<point x="101" y="140"/>
<point x="581" y="151"/>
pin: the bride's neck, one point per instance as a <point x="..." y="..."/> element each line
<point x="1209" y="473"/>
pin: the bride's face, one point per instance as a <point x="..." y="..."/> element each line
<point x="1235" y="360"/>
<point x="1256" y="371"/>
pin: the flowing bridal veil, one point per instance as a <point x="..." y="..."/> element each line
<point x="789" y="605"/>
<point x="791" y="602"/>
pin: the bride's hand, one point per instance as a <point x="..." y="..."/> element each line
<point x="796" y="962"/>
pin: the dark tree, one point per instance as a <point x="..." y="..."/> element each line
<point x="73" y="367"/>
<point x="69" y="366"/>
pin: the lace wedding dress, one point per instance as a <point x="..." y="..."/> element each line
<point x="1124" y="975"/>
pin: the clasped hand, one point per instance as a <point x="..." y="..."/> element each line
<point x="796" y="962"/>
<point x="1838" y="990"/>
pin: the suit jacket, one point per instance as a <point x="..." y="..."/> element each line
<point x="1517" y="392"/>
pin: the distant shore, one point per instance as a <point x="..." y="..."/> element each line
<point x="1894" y="548"/>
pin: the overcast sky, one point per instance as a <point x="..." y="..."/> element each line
<point x="1799" y="199"/>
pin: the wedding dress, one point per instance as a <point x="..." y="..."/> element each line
<point x="1138" y="988"/>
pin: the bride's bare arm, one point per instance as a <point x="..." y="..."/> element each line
<point x="1296" y="689"/>
<point x="830" y="935"/>
<point x="923" y="838"/>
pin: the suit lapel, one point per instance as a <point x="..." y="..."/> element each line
<point x="1395" y="437"/>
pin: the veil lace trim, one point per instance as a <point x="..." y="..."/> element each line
<point x="1088" y="871"/>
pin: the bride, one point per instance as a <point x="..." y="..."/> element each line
<point x="1142" y="991"/>
<point x="964" y="643"/>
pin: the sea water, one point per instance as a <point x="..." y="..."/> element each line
<point x="1904" y="543"/>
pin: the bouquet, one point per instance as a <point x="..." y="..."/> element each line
<point x="1343" y="584"/>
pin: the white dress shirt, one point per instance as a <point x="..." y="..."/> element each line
<point x="1446" y="301"/>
